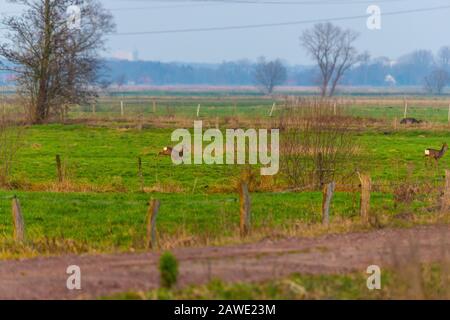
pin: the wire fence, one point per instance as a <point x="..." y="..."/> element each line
<point x="427" y="110"/>
<point x="196" y="216"/>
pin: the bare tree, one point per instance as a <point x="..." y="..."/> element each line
<point x="332" y="49"/>
<point x="436" y="81"/>
<point x="317" y="144"/>
<point x="420" y="58"/>
<point x="269" y="74"/>
<point x="443" y="57"/>
<point x="55" y="62"/>
<point x="415" y="66"/>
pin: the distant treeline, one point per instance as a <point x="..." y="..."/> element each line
<point x="409" y="70"/>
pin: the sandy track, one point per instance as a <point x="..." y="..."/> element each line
<point x="45" y="278"/>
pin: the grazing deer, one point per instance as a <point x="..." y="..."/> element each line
<point x="436" y="154"/>
<point x="410" y="121"/>
<point x="167" y="151"/>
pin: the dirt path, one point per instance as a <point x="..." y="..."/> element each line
<point x="107" y="274"/>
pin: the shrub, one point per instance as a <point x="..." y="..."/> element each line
<point x="406" y="193"/>
<point x="317" y="143"/>
<point x="168" y="269"/>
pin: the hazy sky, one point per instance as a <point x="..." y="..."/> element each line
<point x="400" y="34"/>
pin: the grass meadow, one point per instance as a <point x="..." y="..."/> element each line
<point x="101" y="206"/>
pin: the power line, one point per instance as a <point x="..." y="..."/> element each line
<point x="201" y="3"/>
<point x="187" y="4"/>
<point x="317" y="2"/>
<point x="264" y="25"/>
<point x="278" y="24"/>
<point x="190" y="5"/>
<point x="272" y="2"/>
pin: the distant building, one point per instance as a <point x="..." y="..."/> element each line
<point x="390" y="80"/>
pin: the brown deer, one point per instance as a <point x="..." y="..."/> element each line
<point x="436" y="154"/>
<point x="167" y="151"/>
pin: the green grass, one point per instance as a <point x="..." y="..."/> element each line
<point x="97" y="155"/>
<point x="105" y="222"/>
<point x="104" y="156"/>
<point x="115" y="220"/>
<point x="109" y="222"/>
<point x="395" y="284"/>
<point x="253" y="105"/>
<point x="246" y="109"/>
<point x="296" y="287"/>
<point x="437" y="114"/>
<point x="255" y="109"/>
<point x="217" y="104"/>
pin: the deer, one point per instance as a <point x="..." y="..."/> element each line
<point x="436" y="154"/>
<point x="167" y="151"/>
<point x="410" y="121"/>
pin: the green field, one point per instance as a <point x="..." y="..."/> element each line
<point x="100" y="206"/>
<point x="253" y="109"/>
<point x="432" y="114"/>
<point x="109" y="157"/>
<point x="108" y="222"/>
<point x="151" y="104"/>
<point x="102" y="203"/>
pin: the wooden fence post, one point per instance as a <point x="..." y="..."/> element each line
<point x="19" y="224"/>
<point x="140" y="174"/>
<point x="198" y="110"/>
<point x="153" y="210"/>
<point x="273" y="109"/>
<point x="328" y="193"/>
<point x="366" y="186"/>
<point x="122" y="112"/>
<point x="448" y="117"/>
<point x="93" y="108"/>
<point x="245" y="224"/>
<point x="446" y="197"/>
<point x="59" y="169"/>
<point x="406" y="108"/>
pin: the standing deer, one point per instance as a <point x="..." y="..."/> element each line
<point x="436" y="154"/>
